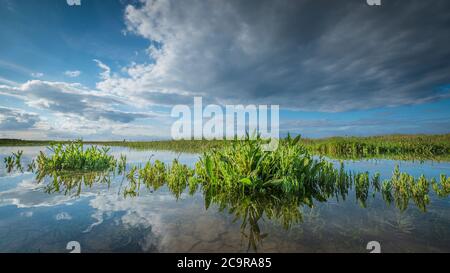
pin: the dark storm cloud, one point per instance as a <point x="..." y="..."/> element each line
<point x="310" y="55"/>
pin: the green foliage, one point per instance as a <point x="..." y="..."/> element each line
<point x="443" y="188"/>
<point x="244" y="166"/>
<point x="134" y="182"/>
<point x="122" y="164"/>
<point x="436" y="147"/>
<point x="13" y="162"/>
<point x="422" y="147"/>
<point x="403" y="187"/>
<point x="244" y="169"/>
<point x="153" y="175"/>
<point x="73" y="157"/>
<point x="9" y="162"/>
<point x="72" y="182"/>
<point x="240" y="178"/>
<point x="186" y="146"/>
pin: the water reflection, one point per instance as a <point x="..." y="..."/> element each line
<point x="111" y="213"/>
<point x="72" y="183"/>
<point x="251" y="208"/>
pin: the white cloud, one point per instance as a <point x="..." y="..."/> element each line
<point x="17" y="119"/>
<point x="72" y="98"/>
<point x="73" y="110"/>
<point x="29" y="194"/>
<point x="106" y="70"/>
<point x="72" y="74"/>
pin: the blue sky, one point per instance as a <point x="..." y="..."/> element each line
<point x="114" y="69"/>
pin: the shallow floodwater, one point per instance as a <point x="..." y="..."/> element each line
<point x="36" y="219"/>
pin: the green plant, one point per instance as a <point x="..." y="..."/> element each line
<point x="9" y="162"/>
<point x="443" y="188"/>
<point x="73" y="157"/>
<point x="122" y="164"/>
<point x="14" y="161"/>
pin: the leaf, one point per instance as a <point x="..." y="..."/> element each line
<point x="246" y="181"/>
<point x="273" y="182"/>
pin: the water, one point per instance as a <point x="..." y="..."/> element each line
<point x="101" y="219"/>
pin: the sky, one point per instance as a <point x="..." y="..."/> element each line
<point x="113" y="70"/>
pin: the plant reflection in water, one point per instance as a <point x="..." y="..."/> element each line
<point x="249" y="208"/>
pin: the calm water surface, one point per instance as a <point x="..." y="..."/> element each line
<point x="101" y="219"/>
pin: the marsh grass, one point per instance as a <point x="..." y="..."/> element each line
<point x="240" y="168"/>
<point x="74" y="157"/>
<point x="406" y="147"/>
<point x="243" y="170"/>
<point x="402" y="147"/>
<point x="240" y="178"/>
<point x="244" y="166"/>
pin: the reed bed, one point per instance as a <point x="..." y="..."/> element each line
<point x="240" y="168"/>
<point x="244" y="169"/>
<point x="422" y="147"/>
<point x="392" y="146"/>
<point x="239" y="177"/>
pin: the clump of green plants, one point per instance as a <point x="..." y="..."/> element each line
<point x="122" y="164"/>
<point x="9" y="162"/>
<point x="134" y="182"/>
<point x="153" y="175"/>
<point x="402" y="187"/>
<point x="362" y="186"/>
<point x="74" y="157"/>
<point x="442" y="188"/>
<point x="245" y="166"/>
<point x="14" y="161"/>
<point x="176" y="176"/>
<point x="31" y="166"/>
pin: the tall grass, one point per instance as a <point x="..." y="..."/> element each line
<point x="396" y="146"/>
<point x="391" y="146"/>
<point x="186" y="146"/>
